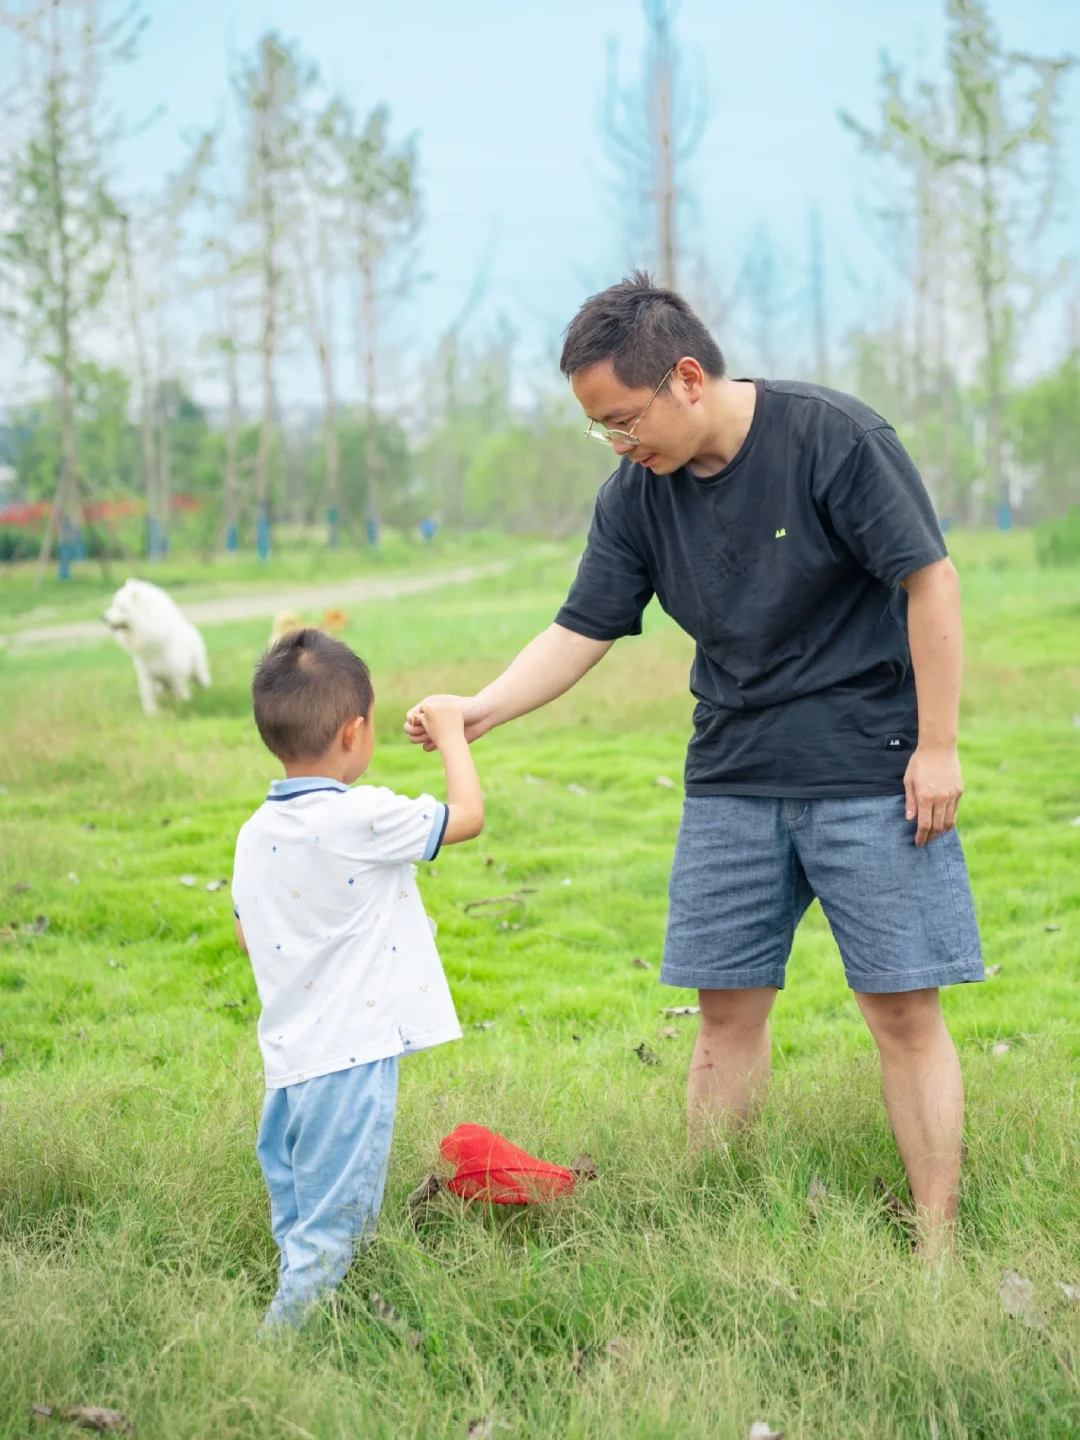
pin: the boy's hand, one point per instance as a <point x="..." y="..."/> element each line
<point x="474" y="718"/>
<point x="442" y="719"/>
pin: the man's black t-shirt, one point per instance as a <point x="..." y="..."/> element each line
<point x="785" y="568"/>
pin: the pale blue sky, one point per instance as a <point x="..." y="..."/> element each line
<point x="505" y="99"/>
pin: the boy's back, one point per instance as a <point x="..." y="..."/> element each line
<point x="327" y="908"/>
<point x="342" y="949"/>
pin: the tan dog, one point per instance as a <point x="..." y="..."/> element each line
<point x="288" y="620"/>
<point x="284" y="624"/>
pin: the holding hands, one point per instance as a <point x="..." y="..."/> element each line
<point x="441" y="717"/>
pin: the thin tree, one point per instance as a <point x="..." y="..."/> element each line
<point x="981" y="146"/>
<point x="1007" y="206"/>
<point x="230" y="353"/>
<point x="270" y="90"/>
<point x="317" y="258"/>
<point x="383" y="216"/>
<point x="182" y="190"/>
<point x="916" y="222"/>
<point x="224" y="277"/>
<point x="146" y="392"/>
<point x="55" y="244"/>
<point x="650" y="132"/>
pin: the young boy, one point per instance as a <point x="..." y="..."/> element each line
<point x="345" y="964"/>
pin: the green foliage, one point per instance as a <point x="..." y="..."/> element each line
<point x="1045" y="429"/>
<point x="401" y="502"/>
<point x="1057" y="542"/>
<point x="978" y="175"/>
<point x="486" y="465"/>
<point x="380" y="186"/>
<point x="539" y="478"/>
<point x="107" y="440"/>
<point x="54" y="246"/>
<point x="18" y="544"/>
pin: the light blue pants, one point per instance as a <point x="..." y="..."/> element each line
<point x="324" y="1146"/>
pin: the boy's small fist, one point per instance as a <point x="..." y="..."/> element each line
<point x="441" y="719"/>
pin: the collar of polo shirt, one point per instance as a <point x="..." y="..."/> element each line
<point x="302" y="785"/>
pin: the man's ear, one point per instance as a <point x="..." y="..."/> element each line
<point x="692" y="377"/>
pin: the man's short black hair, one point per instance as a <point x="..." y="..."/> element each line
<point x="306" y="687"/>
<point x="642" y="329"/>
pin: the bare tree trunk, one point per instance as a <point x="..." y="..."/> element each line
<point x="371" y="435"/>
<point x="232" y="446"/>
<point x="923" y="261"/>
<point x="995" y="399"/>
<point x="665" y="154"/>
<point x="948" y="497"/>
<point x="164" y="447"/>
<point x="269" y="336"/>
<point x="266" y="439"/>
<point x="64" y="501"/>
<point x="319" y="324"/>
<point x="332" y="448"/>
<point x="63" y="515"/>
<point x="146" y="416"/>
<point x="901" y="376"/>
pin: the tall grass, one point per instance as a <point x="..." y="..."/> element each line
<point x="674" y="1296"/>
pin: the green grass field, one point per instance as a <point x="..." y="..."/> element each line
<point x="673" y="1297"/>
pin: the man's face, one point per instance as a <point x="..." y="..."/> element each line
<point x="668" y="431"/>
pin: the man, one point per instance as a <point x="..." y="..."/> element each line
<point x="786" y="529"/>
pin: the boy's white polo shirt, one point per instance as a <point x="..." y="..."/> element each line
<point x="345" y="963"/>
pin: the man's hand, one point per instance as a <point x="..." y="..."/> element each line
<point x="474" y="718"/>
<point x="933" y="785"/>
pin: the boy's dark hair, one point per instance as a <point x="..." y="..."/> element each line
<point x="642" y="329"/>
<point x="304" y="690"/>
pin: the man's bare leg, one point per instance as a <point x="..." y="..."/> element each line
<point x="732" y="1060"/>
<point x="924" y="1097"/>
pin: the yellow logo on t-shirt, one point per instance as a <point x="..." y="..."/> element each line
<point x="780" y="534"/>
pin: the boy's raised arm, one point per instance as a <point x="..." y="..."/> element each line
<point x="444" y="724"/>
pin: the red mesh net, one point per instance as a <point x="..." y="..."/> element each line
<point x="490" y="1168"/>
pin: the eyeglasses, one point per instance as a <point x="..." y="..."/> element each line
<point x="606" y="436"/>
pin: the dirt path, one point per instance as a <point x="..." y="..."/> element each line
<point x="266" y="604"/>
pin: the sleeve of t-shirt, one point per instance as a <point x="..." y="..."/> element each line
<point x="880" y="509"/>
<point x="612" y="586"/>
<point x="400" y="829"/>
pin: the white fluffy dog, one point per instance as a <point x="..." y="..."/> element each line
<point x="167" y="649"/>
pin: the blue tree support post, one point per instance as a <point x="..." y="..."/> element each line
<point x="373" y="532"/>
<point x="262" y="533"/>
<point x="332" y="527"/>
<point x="232" y="537"/>
<point x="67" y="549"/>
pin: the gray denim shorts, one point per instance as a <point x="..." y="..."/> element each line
<point x="746" y="870"/>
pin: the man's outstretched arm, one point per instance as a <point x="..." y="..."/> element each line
<point x="547" y="667"/>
